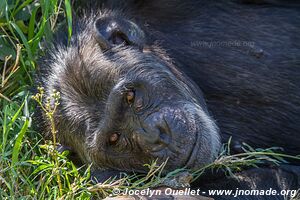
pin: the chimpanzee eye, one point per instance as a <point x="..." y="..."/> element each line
<point x="130" y="97"/>
<point x="114" y="138"/>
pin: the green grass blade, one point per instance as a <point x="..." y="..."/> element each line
<point x="32" y="23"/>
<point x="23" y="38"/>
<point x="16" y="114"/>
<point x="4" y="131"/>
<point x="69" y="17"/>
<point x="18" y="142"/>
<point x="23" y="5"/>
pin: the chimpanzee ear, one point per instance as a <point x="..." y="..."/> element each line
<point x="110" y="32"/>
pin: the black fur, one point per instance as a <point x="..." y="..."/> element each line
<point x="252" y="87"/>
<point x="244" y="55"/>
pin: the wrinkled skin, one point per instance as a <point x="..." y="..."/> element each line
<point x="166" y="119"/>
<point x="161" y="53"/>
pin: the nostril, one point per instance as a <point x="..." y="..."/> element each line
<point x="164" y="135"/>
<point x="165" y="138"/>
<point x="155" y="131"/>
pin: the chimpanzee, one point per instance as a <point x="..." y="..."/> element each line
<point x="172" y="79"/>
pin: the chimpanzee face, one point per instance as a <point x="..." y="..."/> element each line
<point x="124" y="103"/>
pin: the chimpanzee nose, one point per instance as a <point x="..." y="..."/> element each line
<point x="166" y="132"/>
<point x="156" y="130"/>
<point x="180" y="132"/>
<point x="162" y="128"/>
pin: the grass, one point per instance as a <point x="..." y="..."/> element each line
<point x="31" y="168"/>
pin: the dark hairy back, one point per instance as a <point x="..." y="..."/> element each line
<point x="244" y="55"/>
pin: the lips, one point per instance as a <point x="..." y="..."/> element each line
<point x="193" y="155"/>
